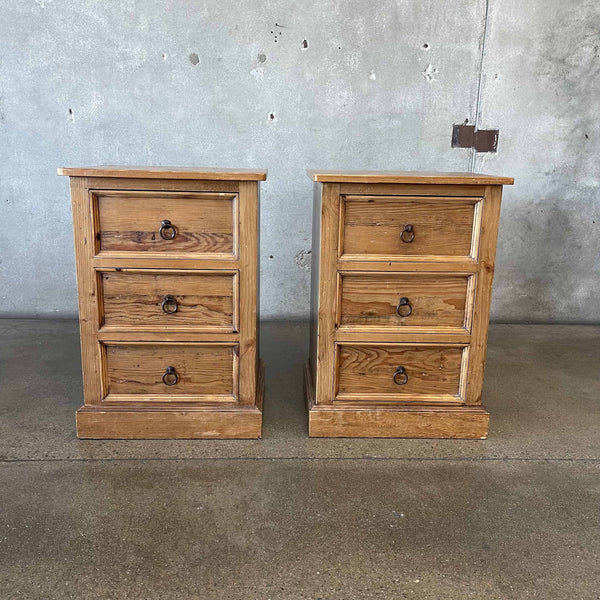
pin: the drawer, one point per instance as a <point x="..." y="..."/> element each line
<point x="400" y="373"/>
<point x="195" y="223"/>
<point x="203" y="300"/>
<point x="171" y="372"/>
<point x="405" y="300"/>
<point x="396" y="227"/>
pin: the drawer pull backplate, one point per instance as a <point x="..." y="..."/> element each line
<point x="400" y="376"/>
<point x="167" y="230"/>
<point x="169" y="304"/>
<point x="170" y="377"/>
<point x="407" y="235"/>
<point x="404" y="308"/>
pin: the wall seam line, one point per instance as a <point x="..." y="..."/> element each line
<point x="482" y="45"/>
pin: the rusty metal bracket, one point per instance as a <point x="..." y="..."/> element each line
<point x="483" y="140"/>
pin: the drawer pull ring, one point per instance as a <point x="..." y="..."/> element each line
<point x="169" y="304"/>
<point x="170" y="377"/>
<point x="404" y="312"/>
<point x="400" y="376"/>
<point x="167" y="230"/>
<point x="408" y="234"/>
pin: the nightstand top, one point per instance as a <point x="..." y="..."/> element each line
<point x="165" y="173"/>
<point x="407" y="177"/>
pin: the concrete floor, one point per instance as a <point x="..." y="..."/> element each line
<point x="516" y="516"/>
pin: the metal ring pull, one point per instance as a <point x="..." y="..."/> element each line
<point x="400" y="376"/>
<point x="170" y="377"/>
<point x="404" y="302"/>
<point x="169" y="304"/>
<point x="410" y="234"/>
<point x="165" y="227"/>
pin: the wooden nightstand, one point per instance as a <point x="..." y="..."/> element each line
<point x="167" y="272"/>
<point x="401" y="287"/>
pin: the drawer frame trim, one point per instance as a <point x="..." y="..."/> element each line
<point x="142" y="193"/>
<point x="394" y="399"/>
<point x="172" y="399"/>
<point x="473" y="255"/>
<point x="407" y="329"/>
<point x="166" y="328"/>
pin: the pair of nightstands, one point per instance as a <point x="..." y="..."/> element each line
<point x="167" y="275"/>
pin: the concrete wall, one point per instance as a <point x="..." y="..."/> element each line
<point x="379" y="85"/>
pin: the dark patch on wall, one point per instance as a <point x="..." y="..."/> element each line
<point x="194" y="58"/>
<point x="483" y="140"/>
<point x="262" y="58"/>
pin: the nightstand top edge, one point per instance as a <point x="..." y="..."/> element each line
<point x="165" y="173"/>
<point x="407" y="177"/>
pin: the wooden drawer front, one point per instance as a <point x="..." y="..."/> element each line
<point x="201" y="223"/>
<point x="203" y="372"/>
<point x="394" y="300"/>
<point x="374" y="227"/>
<point x="204" y="300"/>
<point x="400" y="373"/>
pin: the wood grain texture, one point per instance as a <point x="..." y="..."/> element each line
<point x="165" y="173"/>
<point x="408" y="335"/>
<point x="366" y="373"/>
<point x="207" y="371"/>
<point x="175" y="260"/>
<point x="163" y="185"/>
<point x="315" y="277"/>
<point x="411" y="189"/>
<point x="136" y="424"/>
<point x="330" y="209"/>
<point x="407" y="177"/>
<point x="372" y="225"/>
<point x="184" y="402"/>
<point x="483" y="295"/>
<point x="130" y="221"/>
<point x="164" y="333"/>
<point x="249" y="223"/>
<point x="377" y="421"/>
<point x="87" y="285"/>
<point x="205" y="300"/>
<point x="372" y="300"/>
<point x="414" y="264"/>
